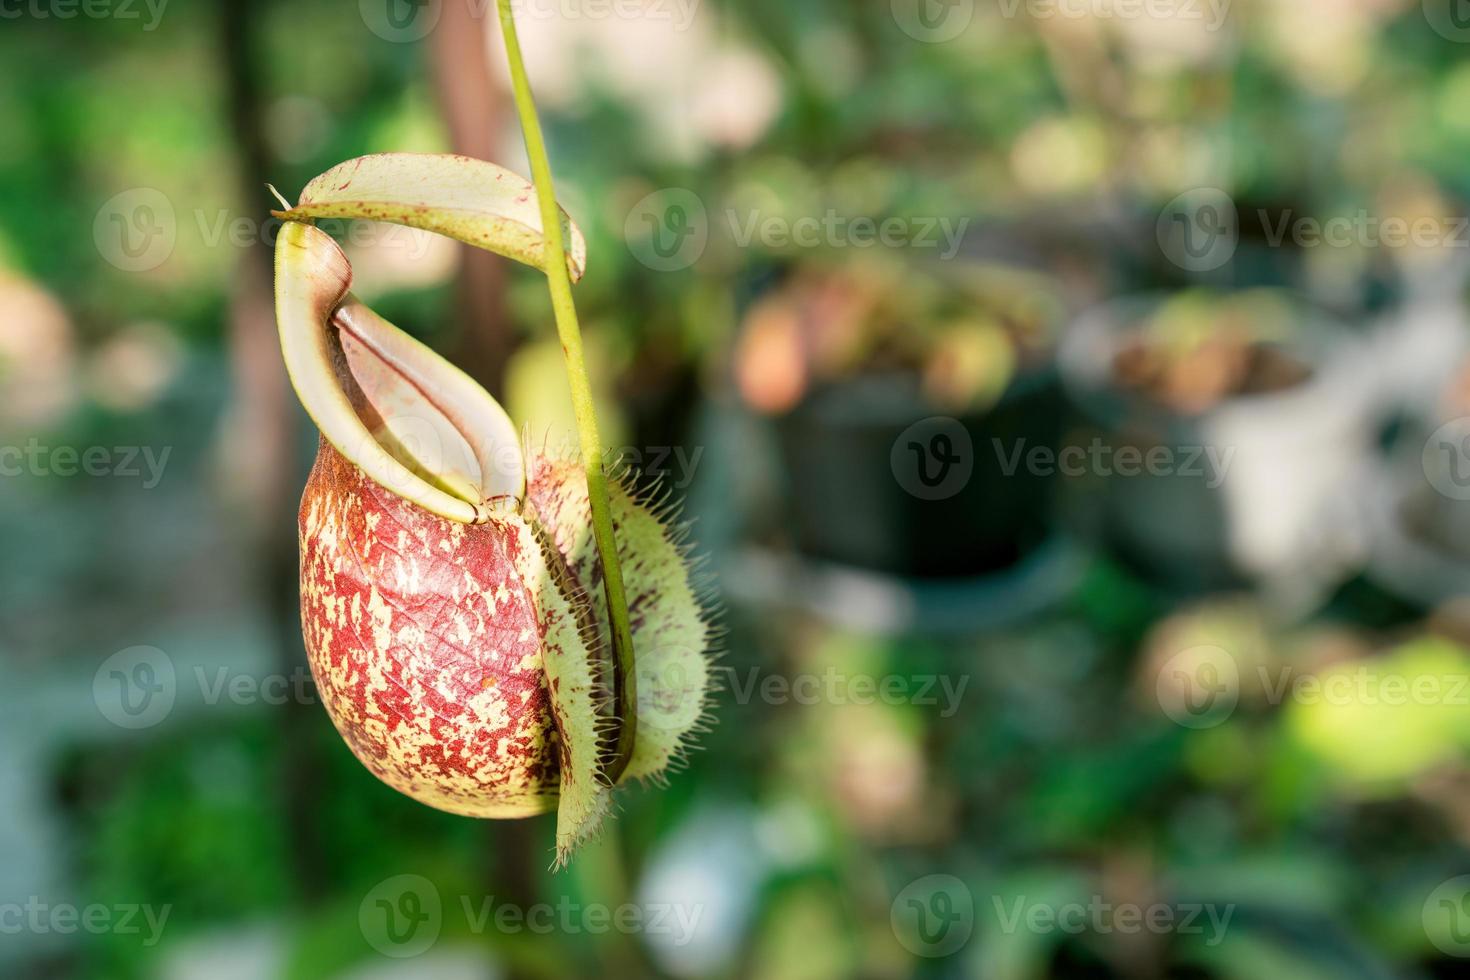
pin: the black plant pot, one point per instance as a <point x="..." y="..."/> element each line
<point x="857" y="457"/>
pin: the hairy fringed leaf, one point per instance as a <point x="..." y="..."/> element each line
<point x="476" y="202"/>
<point x="578" y="667"/>
<point x="671" y="632"/>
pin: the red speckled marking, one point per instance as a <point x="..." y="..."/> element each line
<point x="424" y="640"/>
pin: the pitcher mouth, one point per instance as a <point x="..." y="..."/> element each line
<point x="412" y="421"/>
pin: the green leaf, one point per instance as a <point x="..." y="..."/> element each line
<point x="576" y="664"/>
<point x="671" y="630"/>
<point x="471" y="200"/>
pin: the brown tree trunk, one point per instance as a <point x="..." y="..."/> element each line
<point x="262" y="479"/>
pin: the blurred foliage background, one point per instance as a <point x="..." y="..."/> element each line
<point x="1132" y="465"/>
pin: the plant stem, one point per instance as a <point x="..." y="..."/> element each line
<point x="625" y="690"/>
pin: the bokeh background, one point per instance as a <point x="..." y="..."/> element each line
<point x="1070" y="397"/>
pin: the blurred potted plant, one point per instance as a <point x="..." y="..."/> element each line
<point x="1225" y="432"/>
<point x="899" y="396"/>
